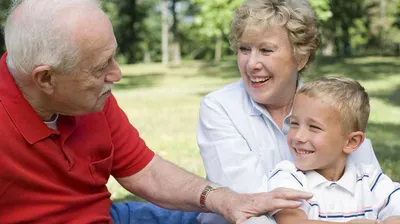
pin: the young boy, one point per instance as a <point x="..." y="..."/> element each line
<point x="328" y="122"/>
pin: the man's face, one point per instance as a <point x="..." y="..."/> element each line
<point x="87" y="89"/>
<point x="315" y="138"/>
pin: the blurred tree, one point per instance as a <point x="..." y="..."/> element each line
<point x="213" y="20"/>
<point x="176" y="40"/>
<point x="135" y="27"/>
<point x="4" y="6"/>
<point x="165" y="28"/>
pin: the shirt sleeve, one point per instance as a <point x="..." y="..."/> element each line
<point x="227" y="158"/>
<point x="387" y="193"/>
<point x="365" y="155"/>
<point x="130" y="151"/>
<point x="287" y="175"/>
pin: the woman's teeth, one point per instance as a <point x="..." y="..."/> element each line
<point x="259" y="79"/>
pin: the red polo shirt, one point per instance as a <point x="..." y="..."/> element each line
<point x="59" y="176"/>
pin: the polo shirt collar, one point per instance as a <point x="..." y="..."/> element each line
<point x="347" y="181"/>
<point x="22" y="114"/>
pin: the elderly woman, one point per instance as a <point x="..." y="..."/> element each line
<point x="243" y="126"/>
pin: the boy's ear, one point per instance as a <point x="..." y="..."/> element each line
<point x="354" y="140"/>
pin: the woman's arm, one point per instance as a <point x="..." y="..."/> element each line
<point x="227" y="157"/>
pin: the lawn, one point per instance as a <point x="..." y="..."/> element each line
<point x="163" y="102"/>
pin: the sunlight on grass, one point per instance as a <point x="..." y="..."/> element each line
<point x="163" y="104"/>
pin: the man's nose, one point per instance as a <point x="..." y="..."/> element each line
<point x="115" y="74"/>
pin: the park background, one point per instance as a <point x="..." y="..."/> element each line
<point x="173" y="52"/>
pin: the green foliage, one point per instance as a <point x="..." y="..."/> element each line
<point x="4" y="6"/>
<point x="322" y="9"/>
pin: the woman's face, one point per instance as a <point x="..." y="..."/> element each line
<point x="268" y="66"/>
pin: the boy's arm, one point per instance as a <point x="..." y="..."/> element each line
<point x="391" y="220"/>
<point x="290" y="216"/>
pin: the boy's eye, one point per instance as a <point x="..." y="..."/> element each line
<point x="294" y="123"/>
<point x="315" y="127"/>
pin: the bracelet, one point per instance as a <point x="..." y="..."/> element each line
<point x="203" y="196"/>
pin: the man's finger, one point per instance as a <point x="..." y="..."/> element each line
<point x="291" y="194"/>
<point x="284" y="204"/>
<point x="241" y="220"/>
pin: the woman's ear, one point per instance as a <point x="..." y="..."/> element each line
<point x="302" y="61"/>
<point x="354" y="140"/>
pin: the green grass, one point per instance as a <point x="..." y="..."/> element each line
<point x="163" y="103"/>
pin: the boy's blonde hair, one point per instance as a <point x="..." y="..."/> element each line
<point x="296" y="16"/>
<point x="344" y="95"/>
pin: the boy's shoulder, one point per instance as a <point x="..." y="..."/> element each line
<point x="367" y="172"/>
<point x="285" y="174"/>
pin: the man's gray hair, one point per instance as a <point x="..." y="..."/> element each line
<point x="36" y="34"/>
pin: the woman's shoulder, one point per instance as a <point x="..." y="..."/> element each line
<point x="230" y="91"/>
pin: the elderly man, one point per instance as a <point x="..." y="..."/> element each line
<point x="62" y="133"/>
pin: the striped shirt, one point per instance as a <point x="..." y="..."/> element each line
<point x="362" y="192"/>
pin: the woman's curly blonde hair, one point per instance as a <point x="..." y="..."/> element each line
<point x="296" y="15"/>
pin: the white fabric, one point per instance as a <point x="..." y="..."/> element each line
<point x="362" y="192"/>
<point x="240" y="143"/>
<point x="260" y="220"/>
<point x="53" y="123"/>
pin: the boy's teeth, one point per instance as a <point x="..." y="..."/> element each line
<point x="303" y="151"/>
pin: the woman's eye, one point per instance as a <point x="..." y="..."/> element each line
<point x="266" y="51"/>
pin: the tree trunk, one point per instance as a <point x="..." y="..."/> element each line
<point x="147" y="57"/>
<point x="218" y="49"/>
<point x="176" y="48"/>
<point x="328" y="49"/>
<point x="176" y="53"/>
<point x="164" y="31"/>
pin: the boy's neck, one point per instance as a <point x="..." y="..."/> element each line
<point x="336" y="171"/>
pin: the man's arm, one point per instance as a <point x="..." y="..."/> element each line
<point x="169" y="186"/>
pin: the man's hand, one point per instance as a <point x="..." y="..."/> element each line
<point x="237" y="208"/>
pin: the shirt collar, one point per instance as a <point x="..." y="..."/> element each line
<point x="347" y="181"/>
<point x="22" y="114"/>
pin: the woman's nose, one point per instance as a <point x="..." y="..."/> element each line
<point x="254" y="62"/>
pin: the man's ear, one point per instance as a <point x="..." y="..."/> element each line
<point x="43" y="76"/>
<point x="302" y="61"/>
<point x="354" y="140"/>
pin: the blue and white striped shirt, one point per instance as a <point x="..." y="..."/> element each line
<point x="362" y="192"/>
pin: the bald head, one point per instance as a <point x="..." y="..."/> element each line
<point x="46" y="32"/>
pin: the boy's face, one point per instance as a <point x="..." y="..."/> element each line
<point x="315" y="138"/>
